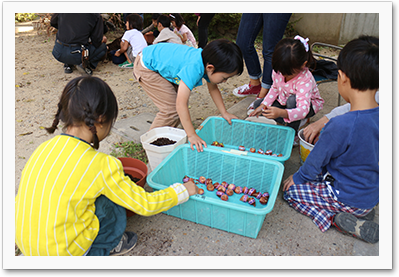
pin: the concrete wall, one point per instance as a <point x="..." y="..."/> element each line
<point x="335" y="28"/>
<point x="356" y="24"/>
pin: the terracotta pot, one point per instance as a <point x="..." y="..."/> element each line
<point x="136" y="169"/>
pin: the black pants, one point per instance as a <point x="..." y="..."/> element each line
<point x="203" y="25"/>
<point x="69" y="54"/>
<point x="291" y="104"/>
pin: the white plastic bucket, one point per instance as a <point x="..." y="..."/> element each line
<point x="156" y="154"/>
<point x="304" y="147"/>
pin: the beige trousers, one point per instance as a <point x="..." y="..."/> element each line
<point x="162" y="92"/>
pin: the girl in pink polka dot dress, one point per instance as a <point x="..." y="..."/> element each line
<point x="294" y="95"/>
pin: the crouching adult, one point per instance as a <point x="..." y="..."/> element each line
<point x="78" y="32"/>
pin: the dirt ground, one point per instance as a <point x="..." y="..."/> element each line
<point x="40" y="78"/>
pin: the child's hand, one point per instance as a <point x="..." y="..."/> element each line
<point x="117" y="53"/>
<point x="272" y="112"/>
<point x="229" y="117"/>
<point x="312" y="131"/>
<point x="257" y="111"/>
<point x="197" y="141"/>
<point x="288" y="183"/>
<point x="191" y="188"/>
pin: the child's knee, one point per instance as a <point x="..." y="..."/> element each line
<point x="291" y="101"/>
<point x="297" y="191"/>
<point x="105" y="208"/>
<point x="287" y="194"/>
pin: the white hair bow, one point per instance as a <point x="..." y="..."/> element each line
<point x="304" y="42"/>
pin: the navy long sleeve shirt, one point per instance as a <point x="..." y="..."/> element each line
<point x="348" y="149"/>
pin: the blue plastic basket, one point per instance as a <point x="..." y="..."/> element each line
<point x="277" y="138"/>
<point x="208" y="209"/>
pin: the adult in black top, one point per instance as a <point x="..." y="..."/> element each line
<point x="75" y="30"/>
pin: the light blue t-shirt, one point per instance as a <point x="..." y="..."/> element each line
<point x="176" y="62"/>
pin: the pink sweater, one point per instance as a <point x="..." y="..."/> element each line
<point x="303" y="86"/>
<point x="185" y="30"/>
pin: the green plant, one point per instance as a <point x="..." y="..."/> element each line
<point x="17" y="251"/>
<point x="129" y="149"/>
<point x="317" y="49"/>
<point x="222" y="25"/>
<point x="290" y="30"/>
<point x="116" y="19"/>
<point x="22" y="17"/>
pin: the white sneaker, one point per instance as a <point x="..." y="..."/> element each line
<point x="261" y="119"/>
<point x="251" y="106"/>
<point x="303" y="122"/>
<point x="296" y="141"/>
<point x="250" y="110"/>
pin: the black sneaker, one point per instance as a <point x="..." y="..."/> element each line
<point x="68" y="68"/>
<point x="127" y="243"/>
<point x="370" y="216"/>
<point x="362" y="229"/>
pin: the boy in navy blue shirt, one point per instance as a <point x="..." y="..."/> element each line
<point x="339" y="182"/>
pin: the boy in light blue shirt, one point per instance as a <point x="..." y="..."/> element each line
<point x="168" y="72"/>
<point x="180" y="63"/>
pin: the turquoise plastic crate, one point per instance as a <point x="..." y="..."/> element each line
<point x="208" y="209"/>
<point x="277" y="138"/>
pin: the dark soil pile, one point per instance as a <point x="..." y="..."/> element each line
<point x="134" y="179"/>
<point x="163" y="141"/>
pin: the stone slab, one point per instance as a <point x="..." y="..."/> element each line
<point x="132" y="128"/>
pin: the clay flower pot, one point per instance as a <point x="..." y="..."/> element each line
<point x="136" y="169"/>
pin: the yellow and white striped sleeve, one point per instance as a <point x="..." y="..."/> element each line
<point x="122" y="191"/>
<point x="182" y="193"/>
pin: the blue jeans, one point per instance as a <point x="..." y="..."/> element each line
<point x="274" y="25"/>
<point x="63" y="54"/>
<point x="112" y="219"/>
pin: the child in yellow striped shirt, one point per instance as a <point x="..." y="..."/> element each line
<point x="72" y="198"/>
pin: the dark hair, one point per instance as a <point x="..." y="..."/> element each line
<point x="176" y="17"/>
<point x="164" y="20"/>
<point x="135" y="21"/>
<point x="224" y="55"/>
<point x="359" y="60"/>
<point x="155" y="16"/>
<point x="83" y="100"/>
<point x="289" y="56"/>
